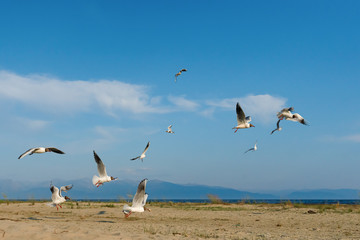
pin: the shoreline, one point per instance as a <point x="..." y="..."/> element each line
<point x="209" y="201"/>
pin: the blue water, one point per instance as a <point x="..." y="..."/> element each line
<point x="270" y="201"/>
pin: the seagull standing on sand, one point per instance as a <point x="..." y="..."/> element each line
<point x="169" y="129"/>
<point x="139" y="200"/>
<point x="142" y="156"/>
<point x="278" y="128"/>
<point x="40" y="150"/>
<point x="242" y="121"/>
<point x="252" y="149"/>
<point x="288" y="115"/>
<point x="56" y="196"/>
<point x="179" y="73"/>
<point x="98" y="181"/>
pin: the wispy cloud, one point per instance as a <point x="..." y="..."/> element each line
<point x="261" y="107"/>
<point x="54" y="95"/>
<point x="107" y="132"/>
<point x="32" y="124"/>
<point x="352" y="138"/>
<point x="349" y="138"/>
<point x="182" y="103"/>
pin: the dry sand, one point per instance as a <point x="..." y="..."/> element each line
<point x="85" y="220"/>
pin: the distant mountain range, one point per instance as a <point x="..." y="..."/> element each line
<point x="158" y="190"/>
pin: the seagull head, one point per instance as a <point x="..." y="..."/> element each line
<point x="67" y="198"/>
<point x="280" y="129"/>
<point x="251" y="125"/>
<point x="112" y="178"/>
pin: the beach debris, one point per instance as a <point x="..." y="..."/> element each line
<point x="311" y="212"/>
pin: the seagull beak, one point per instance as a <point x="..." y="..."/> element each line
<point x="251" y="125"/>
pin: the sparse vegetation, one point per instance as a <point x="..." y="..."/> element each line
<point x="214" y="199"/>
<point x="110" y="205"/>
<point x="6" y="198"/>
<point x="150" y="229"/>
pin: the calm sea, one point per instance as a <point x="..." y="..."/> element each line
<point x="270" y="201"/>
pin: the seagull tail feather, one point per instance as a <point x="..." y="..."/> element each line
<point x="95" y="179"/>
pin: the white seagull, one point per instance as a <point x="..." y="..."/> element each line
<point x="139" y="200"/>
<point x="252" y="149"/>
<point x="278" y="128"/>
<point x="285" y="113"/>
<point x="179" y="73"/>
<point x="169" y="129"/>
<point x="40" y="150"/>
<point x="56" y="196"/>
<point x="288" y="115"/>
<point x="242" y="121"/>
<point x="142" y="156"/>
<point x="98" y="181"/>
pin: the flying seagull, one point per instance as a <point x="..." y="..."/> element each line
<point x="179" y="73"/>
<point x="142" y="156"/>
<point x="285" y="113"/>
<point x="98" y="181"/>
<point x="169" y="129"/>
<point x="56" y="196"/>
<point x="278" y="128"/>
<point x="252" y="149"/>
<point x="139" y="200"/>
<point x="40" y="150"/>
<point x="288" y="115"/>
<point x="242" y="121"/>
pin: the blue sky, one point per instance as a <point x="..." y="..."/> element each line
<point x="91" y="75"/>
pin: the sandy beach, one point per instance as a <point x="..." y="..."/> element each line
<point x="95" y="220"/>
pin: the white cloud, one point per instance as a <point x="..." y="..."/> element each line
<point x="107" y="135"/>
<point x="349" y="138"/>
<point x="182" y="103"/>
<point x="54" y="95"/>
<point x="261" y="108"/>
<point x="352" y="138"/>
<point x="33" y="124"/>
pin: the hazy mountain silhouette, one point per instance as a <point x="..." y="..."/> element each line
<point x="157" y="190"/>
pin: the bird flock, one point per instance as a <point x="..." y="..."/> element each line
<point x="140" y="198"/>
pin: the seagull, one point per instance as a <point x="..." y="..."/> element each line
<point x="278" y="127"/>
<point x="179" y="73"/>
<point x="56" y="196"/>
<point x="285" y="113"/>
<point x="243" y="122"/>
<point x="40" y="150"/>
<point x="142" y="156"/>
<point x="169" y="129"/>
<point x="98" y="181"/>
<point x="288" y="115"/>
<point x="139" y="200"/>
<point x="252" y="149"/>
